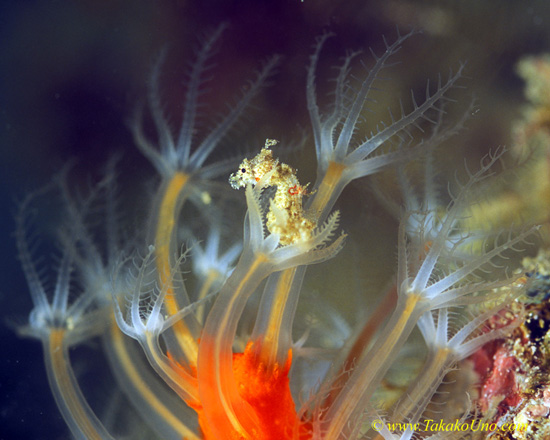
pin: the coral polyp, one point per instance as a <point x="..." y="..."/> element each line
<point x="207" y="333"/>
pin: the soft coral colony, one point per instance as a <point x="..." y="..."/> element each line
<point x="216" y="356"/>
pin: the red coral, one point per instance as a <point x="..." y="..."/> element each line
<point x="499" y="389"/>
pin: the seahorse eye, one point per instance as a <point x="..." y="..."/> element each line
<point x="243" y="170"/>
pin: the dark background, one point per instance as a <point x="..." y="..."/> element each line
<point x="72" y="72"/>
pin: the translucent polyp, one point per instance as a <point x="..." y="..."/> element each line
<point x="170" y="200"/>
<point x="79" y="416"/>
<point x="275" y="316"/>
<point x="223" y="409"/>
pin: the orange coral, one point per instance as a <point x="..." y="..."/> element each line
<point x="267" y="391"/>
